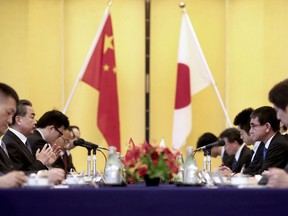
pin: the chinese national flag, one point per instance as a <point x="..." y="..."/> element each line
<point x="100" y="73"/>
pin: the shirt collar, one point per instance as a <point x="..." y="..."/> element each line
<point x="42" y="135"/>
<point x="19" y="135"/>
<point x="237" y="155"/>
<point x="269" y="141"/>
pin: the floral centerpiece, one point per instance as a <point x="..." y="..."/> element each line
<point x="155" y="162"/>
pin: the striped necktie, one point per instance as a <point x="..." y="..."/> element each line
<point x="4" y="147"/>
<point x="28" y="146"/>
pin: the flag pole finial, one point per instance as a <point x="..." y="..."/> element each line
<point x="109" y="3"/>
<point x="182" y="5"/>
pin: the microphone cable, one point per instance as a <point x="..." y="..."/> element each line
<point x="104" y="157"/>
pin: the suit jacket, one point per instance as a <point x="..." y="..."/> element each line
<point x="61" y="162"/>
<point x="277" y="153"/>
<point x="243" y="160"/>
<point x="5" y="162"/>
<point x="36" y="141"/>
<point x="64" y="161"/>
<point x="227" y="160"/>
<point x="20" y="155"/>
<point x="70" y="162"/>
<point x="257" y="161"/>
<point x="285" y="135"/>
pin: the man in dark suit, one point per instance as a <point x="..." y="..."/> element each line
<point x="62" y="160"/>
<point x="8" y="101"/>
<point x="234" y="146"/>
<point x="265" y="128"/>
<point x="278" y="95"/>
<point x="5" y="162"/>
<point x="70" y="136"/>
<point x="20" y="156"/>
<point x="50" y="126"/>
<point x="242" y="120"/>
<point x="208" y="138"/>
<point x="75" y="136"/>
<point x="23" y="124"/>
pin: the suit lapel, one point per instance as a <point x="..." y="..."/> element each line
<point x="21" y="146"/>
<point x="5" y="160"/>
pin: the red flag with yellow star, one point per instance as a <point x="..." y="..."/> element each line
<point x="100" y="73"/>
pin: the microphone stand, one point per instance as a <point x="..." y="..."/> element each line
<point x="94" y="161"/>
<point x="89" y="162"/>
<point x="207" y="160"/>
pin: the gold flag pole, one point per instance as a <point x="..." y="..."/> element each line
<point x="109" y="3"/>
<point x="182" y="4"/>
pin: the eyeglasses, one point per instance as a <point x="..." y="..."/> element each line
<point x="66" y="141"/>
<point x="255" y="125"/>
<point x="58" y="131"/>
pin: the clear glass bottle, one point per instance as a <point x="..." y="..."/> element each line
<point x="180" y="173"/>
<point x="190" y="168"/>
<point x="122" y="168"/>
<point x="113" y="168"/>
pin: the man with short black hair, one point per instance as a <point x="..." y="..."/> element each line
<point x="242" y="120"/>
<point x="278" y="95"/>
<point x="265" y="128"/>
<point x="23" y="124"/>
<point x="208" y="138"/>
<point x="8" y="101"/>
<point x="234" y="146"/>
<point x="50" y="126"/>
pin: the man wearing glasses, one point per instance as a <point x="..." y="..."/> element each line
<point x="63" y="143"/>
<point x="265" y="128"/>
<point x="50" y="127"/>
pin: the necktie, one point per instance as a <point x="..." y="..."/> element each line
<point x="4" y="148"/>
<point x="234" y="164"/>
<point x="64" y="159"/>
<point x="28" y="146"/>
<point x="264" y="152"/>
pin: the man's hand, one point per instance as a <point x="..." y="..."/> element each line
<point x="44" y="154"/>
<point x="13" y="179"/>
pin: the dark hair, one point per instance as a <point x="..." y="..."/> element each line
<point x="278" y="95"/>
<point x="267" y="114"/>
<point x="53" y="117"/>
<point x="74" y="126"/>
<point x="206" y="139"/>
<point x="21" y="109"/>
<point x="232" y="134"/>
<point x="8" y="91"/>
<point x="242" y="119"/>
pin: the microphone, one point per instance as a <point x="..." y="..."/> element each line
<point x="88" y="145"/>
<point x="209" y="146"/>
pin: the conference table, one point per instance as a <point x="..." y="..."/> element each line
<point x="138" y="200"/>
